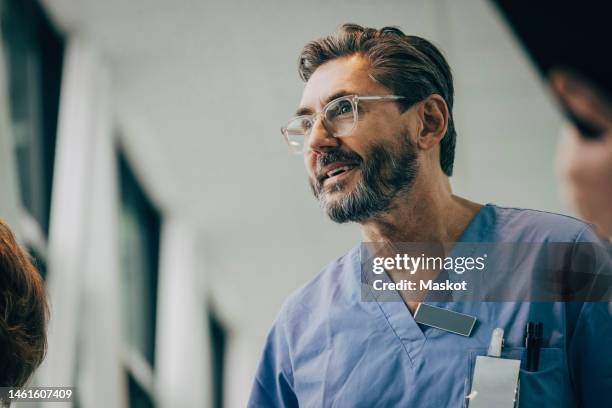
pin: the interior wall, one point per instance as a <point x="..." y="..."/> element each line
<point x="507" y="123"/>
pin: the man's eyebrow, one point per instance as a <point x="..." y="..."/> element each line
<point x="305" y="110"/>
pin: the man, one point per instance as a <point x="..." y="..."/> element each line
<point x="586" y="165"/>
<point x="23" y="313"/>
<point x="376" y="130"/>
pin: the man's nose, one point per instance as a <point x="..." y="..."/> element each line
<point x="320" y="138"/>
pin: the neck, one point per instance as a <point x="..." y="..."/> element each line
<point x="429" y="212"/>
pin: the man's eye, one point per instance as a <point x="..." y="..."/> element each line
<point x="306" y="124"/>
<point x="341" y="108"/>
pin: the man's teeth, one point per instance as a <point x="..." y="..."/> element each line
<point x="339" y="170"/>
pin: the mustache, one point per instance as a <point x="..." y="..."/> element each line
<point x="333" y="156"/>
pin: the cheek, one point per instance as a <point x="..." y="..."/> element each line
<point x="378" y="129"/>
<point x="377" y="133"/>
<point x="362" y="137"/>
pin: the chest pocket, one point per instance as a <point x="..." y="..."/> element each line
<point x="547" y="387"/>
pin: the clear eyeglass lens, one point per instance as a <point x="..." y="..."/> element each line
<point x="296" y="132"/>
<point x="340" y="117"/>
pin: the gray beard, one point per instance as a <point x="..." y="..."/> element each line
<point x="387" y="172"/>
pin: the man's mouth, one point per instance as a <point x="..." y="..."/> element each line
<point x="337" y="171"/>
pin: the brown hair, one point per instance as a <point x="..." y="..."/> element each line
<point x="23" y="313"/>
<point x="408" y="65"/>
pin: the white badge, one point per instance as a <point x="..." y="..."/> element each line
<point x="494" y="383"/>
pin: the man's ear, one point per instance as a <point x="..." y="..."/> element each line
<point x="433" y="113"/>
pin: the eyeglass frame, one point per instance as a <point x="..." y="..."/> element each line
<point x="354" y="100"/>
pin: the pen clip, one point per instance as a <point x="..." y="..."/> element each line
<point x="496" y="344"/>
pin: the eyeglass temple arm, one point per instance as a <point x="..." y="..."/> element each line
<point x="380" y="98"/>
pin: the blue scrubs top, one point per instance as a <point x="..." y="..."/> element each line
<point x="328" y="348"/>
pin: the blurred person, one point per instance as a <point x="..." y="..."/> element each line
<point x="585" y="164"/>
<point x="23" y="313"/>
<point x="376" y="131"/>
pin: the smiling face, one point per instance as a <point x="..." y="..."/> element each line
<point x="356" y="177"/>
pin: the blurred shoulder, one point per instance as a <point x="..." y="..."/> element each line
<point x="528" y="225"/>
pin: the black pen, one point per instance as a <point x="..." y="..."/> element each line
<point x="533" y="342"/>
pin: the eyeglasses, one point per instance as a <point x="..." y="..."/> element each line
<point x="339" y="118"/>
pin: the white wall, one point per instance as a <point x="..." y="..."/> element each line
<point x="506" y="121"/>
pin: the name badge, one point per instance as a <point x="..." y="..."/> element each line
<point x="444" y="319"/>
<point x="495" y="383"/>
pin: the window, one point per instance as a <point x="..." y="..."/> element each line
<point x="139" y="232"/>
<point x="33" y="53"/>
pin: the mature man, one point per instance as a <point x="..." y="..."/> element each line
<point x="376" y="130"/>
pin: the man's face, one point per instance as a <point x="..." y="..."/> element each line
<point x="356" y="177"/>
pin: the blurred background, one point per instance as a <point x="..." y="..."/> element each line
<point x="141" y="164"/>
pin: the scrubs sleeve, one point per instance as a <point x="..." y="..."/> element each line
<point x="273" y="385"/>
<point x="590" y="347"/>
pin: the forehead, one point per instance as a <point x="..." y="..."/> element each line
<point x="349" y="74"/>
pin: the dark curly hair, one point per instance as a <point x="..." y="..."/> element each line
<point x="406" y="64"/>
<point x="23" y="313"/>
